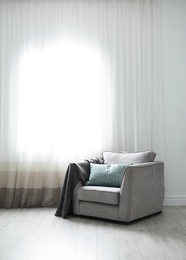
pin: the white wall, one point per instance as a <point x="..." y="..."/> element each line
<point x="173" y="24"/>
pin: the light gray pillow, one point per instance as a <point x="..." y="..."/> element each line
<point x="128" y="158"/>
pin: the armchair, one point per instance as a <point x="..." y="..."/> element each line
<point x="141" y="192"/>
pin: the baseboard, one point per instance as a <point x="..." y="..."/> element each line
<point x="174" y="201"/>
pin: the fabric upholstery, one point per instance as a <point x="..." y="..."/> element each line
<point x="99" y="210"/>
<point x="141" y="194"/>
<point x="128" y="158"/>
<point x="107" y="195"/>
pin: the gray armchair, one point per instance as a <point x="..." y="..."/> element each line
<point x="141" y="194"/>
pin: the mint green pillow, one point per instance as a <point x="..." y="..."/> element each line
<point x="110" y="175"/>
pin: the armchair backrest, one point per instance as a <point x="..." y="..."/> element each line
<point x="128" y="158"/>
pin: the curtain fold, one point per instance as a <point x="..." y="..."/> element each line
<point x="77" y="77"/>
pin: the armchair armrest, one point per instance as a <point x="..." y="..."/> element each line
<point x="75" y="200"/>
<point x="142" y="190"/>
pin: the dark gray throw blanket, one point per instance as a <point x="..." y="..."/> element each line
<point x="74" y="173"/>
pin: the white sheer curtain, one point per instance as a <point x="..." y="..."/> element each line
<point x="77" y="77"/>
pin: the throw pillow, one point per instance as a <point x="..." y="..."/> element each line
<point x="110" y="175"/>
<point x="128" y="158"/>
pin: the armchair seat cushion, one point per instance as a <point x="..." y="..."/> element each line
<point x="106" y="195"/>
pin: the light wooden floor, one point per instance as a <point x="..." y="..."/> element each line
<point x="38" y="234"/>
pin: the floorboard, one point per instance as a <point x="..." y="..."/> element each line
<point x="31" y="234"/>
